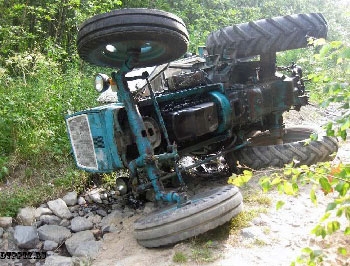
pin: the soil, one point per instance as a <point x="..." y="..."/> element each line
<point x="277" y="236"/>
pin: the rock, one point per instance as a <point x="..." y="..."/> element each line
<point x="104" y="196"/>
<point x="26" y="236"/>
<point x="259" y="221"/>
<point x="80" y="224"/>
<point x="95" y="196"/>
<point x="56" y="260"/>
<point x="251" y="232"/>
<point x="87" y="210"/>
<point x="9" y="242"/>
<point x="50" y="253"/>
<point x="95" y="219"/>
<point x="71" y="198"/>
<point x="83" y="244"/>
<point x="128" y="213"/>
<point x="50" y="219"/>
<point x="1" y="232"/>
<point x="37" y="224"/>
<point x="59" y="207"/>
<point x="149" y="207"/>
<point x="115" y="217"/>
<point x="116" y="206"/>
<point x="109" y="229"/>
<point x="74" y="208"/>
<point x="53" y="232"/>
<point x="89" y="214"/>
<point x="97" y="233"/>
<point x="65" y="223"/>
<point x="81" y="201"/>
<point x="88" y="199"/>
<point x="101" y="212"/>
<point x="88" y="249"/>
<point x="50" y="245"/>
<point x="255" y="233"/>
<point x="42" y="211"/>
<point x="5" y="222"/>
<point x="26" y="216"/>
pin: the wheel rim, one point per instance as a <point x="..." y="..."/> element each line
<point x="118" y="51"/>
<point x="196" y="198"/>
<point x="159" y="37"/>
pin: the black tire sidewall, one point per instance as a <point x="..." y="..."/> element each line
<point x="149" y="25"/>
<point x="300" y="148"/>
<point x="211" y="209"/>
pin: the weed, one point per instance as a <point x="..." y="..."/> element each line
<point x="259" y="243"/>
<point x="242" y="220"/>
<point x="179" y="257"/>
<point x="108" y="180"/>
<point x="204" y="252"/>
<point x="267" y="230"/>
<point x="257" y="198"/>
<point x="255" y="203"/>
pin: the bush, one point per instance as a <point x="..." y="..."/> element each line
<point x="34" y="106"/>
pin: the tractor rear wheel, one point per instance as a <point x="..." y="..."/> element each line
<point x="297" y="146"/>
<point x="266" y="36"/>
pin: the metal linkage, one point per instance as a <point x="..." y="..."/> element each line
<point x="147" y="159"/>
<point x="170" y="148"/>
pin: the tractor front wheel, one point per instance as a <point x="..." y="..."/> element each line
<point x="205" y="211"/>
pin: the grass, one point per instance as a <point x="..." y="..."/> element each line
<point x="255" y="202"/>
<point x="32" y="186"/>
<point x="180" y="257"/>
<point x="35" y="161"/>
<point x="204" y="252"/>
<point x="252" y="197"/>
<point x="259" y="243"/>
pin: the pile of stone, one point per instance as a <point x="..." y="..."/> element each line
<point x="72" y="226"/>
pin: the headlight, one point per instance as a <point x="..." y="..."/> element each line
<point x="101" y="82"/>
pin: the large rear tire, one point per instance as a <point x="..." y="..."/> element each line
<point x="296" y="146"/>
<point x="206" y="211"/>
<point x="104" y="39"/>
<point x="268" y="35"/>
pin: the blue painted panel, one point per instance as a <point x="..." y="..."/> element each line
<point x="95" y="138"/>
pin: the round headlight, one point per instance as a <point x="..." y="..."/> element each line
<point x="101" y="82"/>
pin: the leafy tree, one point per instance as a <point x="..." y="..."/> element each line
<point x="332" y="75"/>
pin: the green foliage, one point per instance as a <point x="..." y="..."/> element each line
<point x="240" y="180"/>
<point x="34" y="108"/>
<point x="36" y="94"/>
<point x="309" y="257"/>
<point x="331" y="75"/>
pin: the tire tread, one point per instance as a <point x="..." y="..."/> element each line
<point x="268" y="35"/>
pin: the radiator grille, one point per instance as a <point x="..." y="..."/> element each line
<point x="82" y="142"/>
